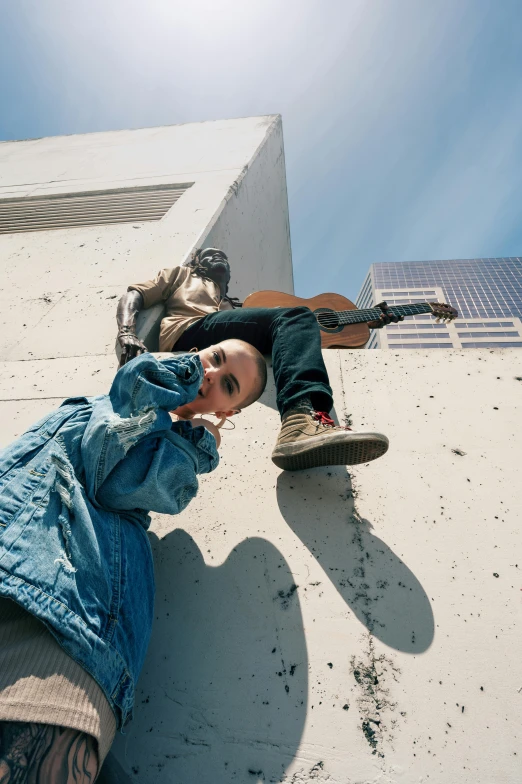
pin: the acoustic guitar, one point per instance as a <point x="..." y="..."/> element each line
<point x="342" y="325"/>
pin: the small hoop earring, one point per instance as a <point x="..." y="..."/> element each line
<point x="194" y="350"/>
<point x="228" y="428"/>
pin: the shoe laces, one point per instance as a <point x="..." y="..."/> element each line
<point x="324" y="419"/>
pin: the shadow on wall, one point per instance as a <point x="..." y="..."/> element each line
<point x="379" y="588"/>
<point x="223" y="693"/>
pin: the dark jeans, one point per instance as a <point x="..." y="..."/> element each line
<point x="291" y="335"/>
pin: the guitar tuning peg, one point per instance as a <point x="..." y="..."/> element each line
<point x="437" y="320"/>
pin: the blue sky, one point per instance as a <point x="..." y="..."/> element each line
<point x="402" y="118"/>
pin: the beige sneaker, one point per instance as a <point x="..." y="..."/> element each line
<point x="311" y="439"/>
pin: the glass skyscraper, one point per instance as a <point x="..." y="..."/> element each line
<point x="486" y="292"/>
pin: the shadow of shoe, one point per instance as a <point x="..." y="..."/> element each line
<point x="375" y="583"/>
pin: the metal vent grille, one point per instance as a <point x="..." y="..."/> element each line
<point x="88" y="209"/>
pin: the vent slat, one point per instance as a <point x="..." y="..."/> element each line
<point x="87" y="209"/>
<point x="91" y="195"/>
<point x="31" y="215"/>
<point x="68" y="203"/>
<point x="74" y="205"/>
<point x="77" y="224"/>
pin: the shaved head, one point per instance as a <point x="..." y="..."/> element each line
<point x="234" y="377"/>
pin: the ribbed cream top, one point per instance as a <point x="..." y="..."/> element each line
<point x="40" y="683"/>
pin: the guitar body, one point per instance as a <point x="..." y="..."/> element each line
<point x="350" y="336"/>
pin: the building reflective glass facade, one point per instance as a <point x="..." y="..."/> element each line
<point x="486" y="292"/>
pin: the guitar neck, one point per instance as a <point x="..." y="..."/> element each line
<point x="373" y="314"/>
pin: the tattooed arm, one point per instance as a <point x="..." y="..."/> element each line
<point x="43" y="753"/>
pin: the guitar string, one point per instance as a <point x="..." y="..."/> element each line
<point x="354" y="316"/>
<point x="332" y="323"/>
<point x="344" y="317"/>
<point x="371" y="312"/>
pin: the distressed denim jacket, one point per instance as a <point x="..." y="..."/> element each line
<point x="75" y="492"/>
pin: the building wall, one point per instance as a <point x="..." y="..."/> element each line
<point x="347" y="627"/>
<point x="486" y="292"/>
<point x="260" y="259"/>
<point x="335" y="626"/>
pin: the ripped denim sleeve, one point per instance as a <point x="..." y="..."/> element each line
<point x="65" y="486"/>
<point x="129" y="431"/>
<point x="147" y="382"/>
<point x="138" y="405"/>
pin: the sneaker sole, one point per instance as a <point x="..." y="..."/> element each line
<point x="330" y="450"/>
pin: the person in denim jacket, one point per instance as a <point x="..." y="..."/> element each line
<point x="75" y="494"/>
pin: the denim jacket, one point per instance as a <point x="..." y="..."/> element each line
<point x="75" y="492"/>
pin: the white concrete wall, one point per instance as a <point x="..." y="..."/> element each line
<point x="399" y="632"/>
<point x="60" y="288"/>
<point x="408" y="575"/>
<point x="398" y="617"/>
<point x="258" y="198"/>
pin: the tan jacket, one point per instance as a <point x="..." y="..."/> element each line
<point x="187" y="298"/>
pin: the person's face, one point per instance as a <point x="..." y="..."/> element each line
<point x="217" y="266"/>
<point x="230" y="376"/>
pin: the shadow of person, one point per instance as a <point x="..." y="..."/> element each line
<point x="223" y="692"/>
<point x="379" y="588"/>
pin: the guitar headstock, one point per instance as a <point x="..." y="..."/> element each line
<point x="443" y="312"/>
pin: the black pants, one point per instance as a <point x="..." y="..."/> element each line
<point x="291" y="335"/>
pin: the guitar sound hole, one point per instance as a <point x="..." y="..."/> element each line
<point x="327" y="319"/>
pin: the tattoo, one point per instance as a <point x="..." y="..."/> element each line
<point x="43" y="753"/>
